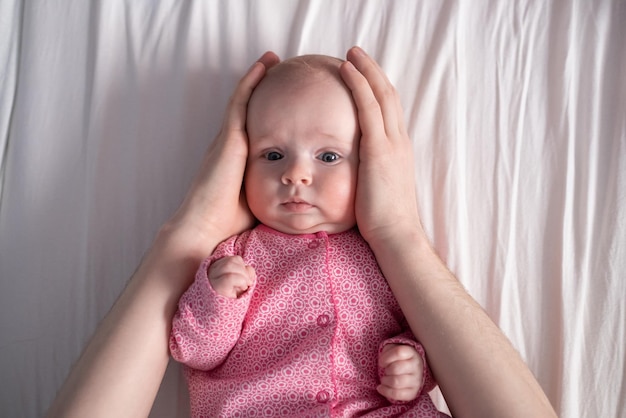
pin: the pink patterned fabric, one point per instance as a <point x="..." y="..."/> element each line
<point x="303" y="341"/>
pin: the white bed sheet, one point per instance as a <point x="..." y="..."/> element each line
<point x="517" y="113"/>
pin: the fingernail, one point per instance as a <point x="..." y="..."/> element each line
<point x="359" y="51"/>
<point x="350" y="66"/>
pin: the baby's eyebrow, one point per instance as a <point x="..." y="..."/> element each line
<point x="270" y="136"/>
<point x="260" y="141"/>
<point x="337" y="142"/>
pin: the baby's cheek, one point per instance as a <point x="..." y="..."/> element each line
<point x="342" y="197"/>
<point x="257" y="191"/>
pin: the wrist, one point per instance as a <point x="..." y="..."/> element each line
<point x="176" y="253"/>
<point x="400" y="238"/>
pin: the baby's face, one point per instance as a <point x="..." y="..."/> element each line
<point x="303" y="158"/>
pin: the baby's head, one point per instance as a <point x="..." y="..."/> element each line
<point x="304" y="148"/>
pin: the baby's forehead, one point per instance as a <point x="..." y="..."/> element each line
<point x="309" y="82"/>
<point x="300" y="72"/>
<point x="304" y="67"/>
<point x="297" y="76"/>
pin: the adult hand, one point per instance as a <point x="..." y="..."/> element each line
<point x="215" y="207"/>
<point x="386" y="202"/>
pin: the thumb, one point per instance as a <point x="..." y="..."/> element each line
<point x="251" y="273"/>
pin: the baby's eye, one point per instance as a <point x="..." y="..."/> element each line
<point x="328" y="157"/>
<point x="273" y="156"/>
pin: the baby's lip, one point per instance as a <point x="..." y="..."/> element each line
<point x="295" y="200"/>
<point x="295" y="204"/>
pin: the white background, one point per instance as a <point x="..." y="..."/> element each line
<point x="517" y="113"/>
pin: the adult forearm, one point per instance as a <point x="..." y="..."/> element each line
<point x="120" y="371"/>
<point x="479" y="379"/>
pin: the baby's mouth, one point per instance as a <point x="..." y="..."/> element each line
<point x="296" y="205"/>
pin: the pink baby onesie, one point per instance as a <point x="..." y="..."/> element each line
<point x="303" y="341"/>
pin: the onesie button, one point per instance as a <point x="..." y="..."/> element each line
<point x="314" y="244"/>
<point x="323" y="320"/>
<point x="323" y="396"/>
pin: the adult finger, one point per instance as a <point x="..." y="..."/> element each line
<point x="218" y="182"/>
<point x="382" y="89"/>
<point x="369" y="111"/>
<point x="237" y="106"/>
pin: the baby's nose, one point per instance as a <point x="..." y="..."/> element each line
<point x="297" y="173"/>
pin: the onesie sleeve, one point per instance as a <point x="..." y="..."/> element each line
<point x="407" y="338"/>
<point x="207" y="325"/>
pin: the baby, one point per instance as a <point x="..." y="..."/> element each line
<point x="294" y="317"/>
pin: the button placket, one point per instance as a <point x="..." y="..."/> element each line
<point x="323" y="320"/>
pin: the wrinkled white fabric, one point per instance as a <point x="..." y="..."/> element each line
<point x="516" y="110"/>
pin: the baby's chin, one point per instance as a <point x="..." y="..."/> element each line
<point x="305" y="229"/>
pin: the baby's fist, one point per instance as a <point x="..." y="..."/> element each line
<point x="403" y="368"/>
<point x="231" y="277"/>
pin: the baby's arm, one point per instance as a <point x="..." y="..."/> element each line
<point x="207" y="324"/>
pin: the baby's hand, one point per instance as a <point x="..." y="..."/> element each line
<point x="403" y="372"/>
<point x="231" y="277"/>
